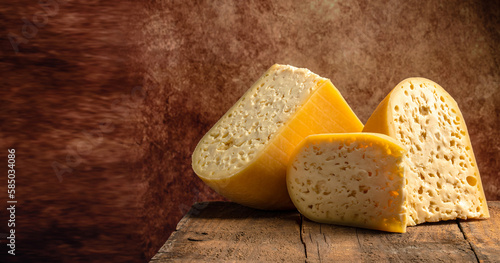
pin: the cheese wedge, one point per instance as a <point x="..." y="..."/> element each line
<point x="244" y="155"/>
<point x="442" y="178"/>
<point x="353" y="179"/>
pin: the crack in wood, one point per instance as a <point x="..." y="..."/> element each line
<point x="301" y="235"/>
<point x="357" y="237"/>
<point x="317" y="244"/>
<point x="319" y="253"/>
<point x="194" y="239"/>
<point x="468" y="241"/>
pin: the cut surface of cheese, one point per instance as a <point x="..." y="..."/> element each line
<point x="244" y="155"/>
<point x="353" y="179"/>
<point x="442" y="177"/>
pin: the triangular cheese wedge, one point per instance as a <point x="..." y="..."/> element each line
<point x="442" y="177"/>
<point x="353" y="179"/>
<point x="244" y="156"/>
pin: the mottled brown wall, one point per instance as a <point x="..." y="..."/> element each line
<point x="62" y="101"/>
<point x="121" y="92"/>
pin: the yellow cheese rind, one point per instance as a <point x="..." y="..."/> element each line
<point x="443" y="181"/>
<point x="353" y="179"/>
<point x="244" y="155"/>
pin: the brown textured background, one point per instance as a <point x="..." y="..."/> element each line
<point x="120" y="92"/>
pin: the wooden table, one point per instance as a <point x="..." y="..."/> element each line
<point x="223" y="231"/>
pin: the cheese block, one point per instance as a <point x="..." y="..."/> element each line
<point x="442" y="177"/>
<point x="353" y="179"/>
<point x="244" y="155"/>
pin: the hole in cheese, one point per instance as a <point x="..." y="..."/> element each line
<point x="471" y="180"/>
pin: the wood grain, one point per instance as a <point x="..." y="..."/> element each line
<point x="439" y="242"/>
<point x="224" y="231"/>
<point x="219" y="231"/>
<point x="484" y="235"/>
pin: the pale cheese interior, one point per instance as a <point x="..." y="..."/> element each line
<point x="244" y="131"/>
<point x="350" y="179"/>
<point x="442" y="178"/>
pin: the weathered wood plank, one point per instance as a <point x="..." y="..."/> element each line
<point x="484" y="235"/>
<point x="437" y="242"/>
<point x="220" y="231"/>
<point x="223" y="231"/>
